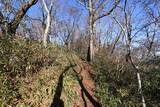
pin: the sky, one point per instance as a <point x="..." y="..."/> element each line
<point x="34" y="11"/>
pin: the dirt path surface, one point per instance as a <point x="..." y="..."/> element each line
<point x="55" y="88"/>
<point x="86" y="90"/>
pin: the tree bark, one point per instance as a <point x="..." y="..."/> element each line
<point x="47" y="29"/>
<point x="10" y="28"/>
<point x="91" y="34"/>
<point x="115" y="42"/>
<point x="140" y="89"/>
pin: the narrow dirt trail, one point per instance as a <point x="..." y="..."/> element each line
<point x="86" y="90"/>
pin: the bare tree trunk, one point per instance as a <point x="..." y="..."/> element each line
<point x="94" y="39"/>
<point x="115" y="42"/>
<point x="91" y="34"/>
<point x="55" y="32"/>
<point x="140" y="89"/>
<point x="47" y="29"/>
<point x="149" y="48"/>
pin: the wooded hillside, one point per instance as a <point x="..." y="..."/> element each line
<point x="79" y="53"/>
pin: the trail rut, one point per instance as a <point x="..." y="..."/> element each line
<point x="86" y="90"/>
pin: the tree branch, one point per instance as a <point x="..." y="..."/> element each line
<point x="45" y="6"/>
<point x="107" y="13"/>
<point x="51" y="6"/>
<point x="123" y="29"/>
<point x="83" y="4"/>
<point x="157" y="21"/>
<point x="21" y="12"/>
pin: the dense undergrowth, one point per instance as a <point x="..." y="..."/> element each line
<point x="117" y="83"/>
<point x="29" y="73"/>
<point x="151" y="81"/>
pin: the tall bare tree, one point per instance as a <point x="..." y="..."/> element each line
<point x="127" y="28"/>
<point x="96" y="10"/>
